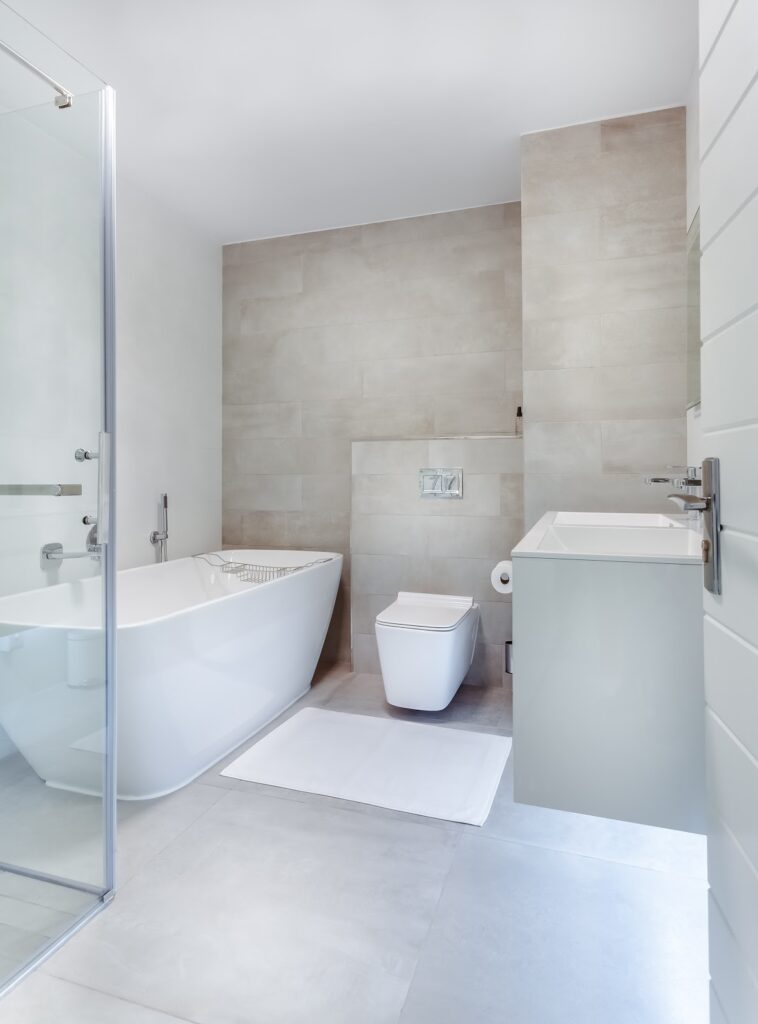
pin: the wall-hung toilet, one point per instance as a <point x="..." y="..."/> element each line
<point x="426" y="646"/>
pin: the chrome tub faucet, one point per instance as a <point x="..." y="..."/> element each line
<point x="54" y="552"/>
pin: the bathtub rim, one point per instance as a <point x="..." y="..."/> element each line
<point x="8" y="626"/>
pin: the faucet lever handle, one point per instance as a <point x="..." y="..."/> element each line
<point x="690" y="502"/>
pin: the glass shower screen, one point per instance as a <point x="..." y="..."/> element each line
<point x="56" y="490"/>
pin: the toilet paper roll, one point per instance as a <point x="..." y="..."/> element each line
<point x="502" y="578"/>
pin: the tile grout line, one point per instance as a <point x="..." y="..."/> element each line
<point x="121" y="999"/>
<point x="584" y="856"/>
<point x="432" y="919"/>
<point x="133" y="877"/>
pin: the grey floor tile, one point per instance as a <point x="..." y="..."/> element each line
<point x="13" y="768"/>
<point x="51" y="830"/>
<point x="44" y="894"/>
<point x="62" y="833"/>
<point x="336" y="803"/>
<point x="293" y="912"/>
<point x="45" y="921"/>
<point x="32" y="914"/>
<point x="619" y="841"/>
<point x="145" y="827"/>
<point x="246" y="904"/>
<point x="531" y="936"/>
<point x="42" y="999"/>
<point x="483" y="708"/>
<point x="20" y="944"/>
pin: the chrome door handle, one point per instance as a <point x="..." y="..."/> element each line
<point x="712" y="526"/>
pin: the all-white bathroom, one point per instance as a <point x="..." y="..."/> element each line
<point x="378" y="546"/>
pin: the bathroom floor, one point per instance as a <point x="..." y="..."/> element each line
<point x="245" y="904"/>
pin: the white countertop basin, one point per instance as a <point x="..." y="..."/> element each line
<point x="625" y="537"/>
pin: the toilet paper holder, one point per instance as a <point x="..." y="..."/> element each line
<point x="501" y="577"/>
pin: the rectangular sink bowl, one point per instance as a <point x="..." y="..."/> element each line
<point x="651" y="520"/>
<point x="605" y="535"/>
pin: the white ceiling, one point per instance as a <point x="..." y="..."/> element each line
<point x="255" y="118"/>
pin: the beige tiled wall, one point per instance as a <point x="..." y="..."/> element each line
<point x="405" y="329"/>
<point x="604" y="255"/>
<point x="401" y="541"/>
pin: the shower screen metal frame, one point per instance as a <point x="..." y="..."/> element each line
<point x="108" y="213"/>
<point x="102" y="895"/>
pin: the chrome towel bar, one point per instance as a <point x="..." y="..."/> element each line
<point x="56" y="490"/>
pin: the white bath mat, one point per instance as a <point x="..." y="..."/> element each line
<point x="422" y="769"/>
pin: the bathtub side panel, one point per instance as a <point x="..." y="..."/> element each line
<point x="193" y="687"/>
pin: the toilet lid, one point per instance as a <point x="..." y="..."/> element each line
<point x="425" y="611"/>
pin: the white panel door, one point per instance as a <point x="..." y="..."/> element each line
<point x="729" y="268"/>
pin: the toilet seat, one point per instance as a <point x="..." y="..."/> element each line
<point x="436" y="612"/>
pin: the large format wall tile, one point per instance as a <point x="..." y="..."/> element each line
<point x="636" y="446"/>
<point x="604" y="344"/>
<point x="627" y="338"/>
<point x="407" y="329"/>
<point x="656" y="281"/>
<point x="654" y="391"/>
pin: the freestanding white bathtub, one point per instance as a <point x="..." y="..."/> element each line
<point x="205" y="660"/>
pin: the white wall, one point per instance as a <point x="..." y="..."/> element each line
<point x="50" y="346"/>
<point x="168" y="381"/>
<point x="168" y="355"/>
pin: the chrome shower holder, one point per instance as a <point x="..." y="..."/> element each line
<point x="159" y="538"/>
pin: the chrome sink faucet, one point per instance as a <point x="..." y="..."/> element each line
<point x="685" y="478"/>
